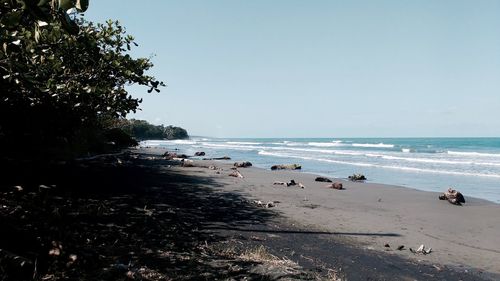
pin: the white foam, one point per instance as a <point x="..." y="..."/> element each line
<point x="166" y="142"/>
<point x="373" y="145"/>
<point x="182" y="141"/>
<point x="361" y="164"/>
<point x="406" y="150"/>
<point x="326" y="144"/>
<point x="289" y="143"/>
<point x="150" y="143"/>
<point x="475" y="154"/>
<point x="439" y="161"/>
<point x="329" y="151"/>
<point x="231" y="146"/>
<point x="243" y="142"/>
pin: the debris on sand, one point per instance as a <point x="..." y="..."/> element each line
<point x="286" y="167"/>
<point x="323" y="179"/>
<point x="236" y="174"/>
<point x="401" y="247"/>
<point x="174" y="156"/>
<point x="269" y="204"/>
<point x="213" y="168"/>
<point x="453" y="196"/>
<point x="290" y="183"/>
<point x="336" y="185"/>
<point x="242" y="164"/>
<point x="357" y="177"/>
<point x="422" y="250"/>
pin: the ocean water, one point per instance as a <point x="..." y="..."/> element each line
<point x="471" y="165"/>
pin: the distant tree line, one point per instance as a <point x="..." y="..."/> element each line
<point x="142" y="130"/>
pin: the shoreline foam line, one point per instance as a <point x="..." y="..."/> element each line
<point x="381" y="166"/>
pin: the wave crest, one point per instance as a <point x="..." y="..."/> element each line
<point x="373" y="145"/>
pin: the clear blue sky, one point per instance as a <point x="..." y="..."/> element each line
<point x="264" y="68"/>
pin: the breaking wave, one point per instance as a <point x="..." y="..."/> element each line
<point x="373" y="145"/>
<point x="362" y="164"/>
<point x="473" y="154"/>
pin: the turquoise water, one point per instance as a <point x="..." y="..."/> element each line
<point x="471" y="165"/>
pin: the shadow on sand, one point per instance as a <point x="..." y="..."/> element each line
<point x="131" y="218"/>
<point x="256" y="230"/>
<point x="102" y="219"/>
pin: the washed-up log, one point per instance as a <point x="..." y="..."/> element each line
<point x="357" y="177"/>
<point x="236" y="174"/>
<point x="199" y="153"/>
<point x="453" y="196"/>
<point x="242" y="164"/>
<point x="286" y="167"/>
<point x="336" y="185"/>
<point x="322" y="179"/>
<point x="218" y="158"/>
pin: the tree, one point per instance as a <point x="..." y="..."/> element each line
<point x="63" y="78"/>
<point x="142" y="130"/>
<point x="172" y="133"/>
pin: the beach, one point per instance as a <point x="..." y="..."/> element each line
<point x="471" y="165"/>
<point x="135" y="215"/>
<point x="372" y="215"/>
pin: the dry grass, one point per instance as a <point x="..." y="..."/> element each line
<point x="261" y="254"/>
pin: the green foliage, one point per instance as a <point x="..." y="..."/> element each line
<point x="172" y="133"/>
<point x="58" y="81"/>
<point x="142" y="130"/>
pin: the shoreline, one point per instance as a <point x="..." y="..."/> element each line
<point x="429" y="164"/>
<point x="373" y="214"/>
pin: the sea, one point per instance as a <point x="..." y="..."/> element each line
<point x="470" y="165"/>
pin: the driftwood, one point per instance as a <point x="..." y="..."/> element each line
<point x="236" y="174"/>
<point x="218" y="158"/>
<point x="357" y="177"/>
<point x="453" y="196"/>
<point x="290" y="183"/>
<point x="421" y="250"/>
<point x="242" y="164"/>
<point x="286" y="167"/>
<point x="322" y="179"/>
<point x="171" y="155"/>
<point x="200" y="153"/>
<point x="336" y="185"/>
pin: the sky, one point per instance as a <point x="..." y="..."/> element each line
<point x="288" y="68"/>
